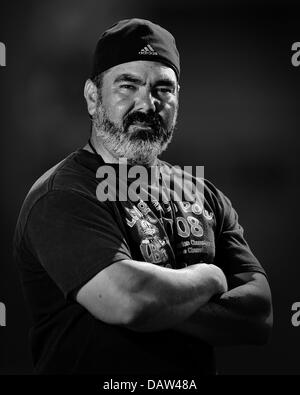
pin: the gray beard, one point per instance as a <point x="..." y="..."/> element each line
<point x="139" y="148"/>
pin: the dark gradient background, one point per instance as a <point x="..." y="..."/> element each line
<point x="239" y="117"/>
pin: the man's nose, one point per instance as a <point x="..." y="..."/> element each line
<point x="145" y="101"/>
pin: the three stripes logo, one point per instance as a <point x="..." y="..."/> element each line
<point x="148" y="50"/>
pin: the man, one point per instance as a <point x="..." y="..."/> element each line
<point x="134" y="286"/>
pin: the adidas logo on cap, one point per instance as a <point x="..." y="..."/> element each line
<point x="147" y="50"/>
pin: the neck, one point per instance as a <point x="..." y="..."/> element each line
<point x="101" y="150"/>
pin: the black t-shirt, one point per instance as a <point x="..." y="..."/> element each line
<point x="65" y="236"/>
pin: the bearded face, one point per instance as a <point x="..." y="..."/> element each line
<point x="140" y="138"/>
<point x="134" y="118"/>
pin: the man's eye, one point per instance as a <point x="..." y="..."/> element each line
<point x="127" y="86"/>
<point x="164" y="90"/>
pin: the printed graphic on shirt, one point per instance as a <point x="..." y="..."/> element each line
<point x="172" y="234"/>
<point x="194" y="233"/>
<point x="153" y="242"/>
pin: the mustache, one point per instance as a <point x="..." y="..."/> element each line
<point x="152" y="119"/>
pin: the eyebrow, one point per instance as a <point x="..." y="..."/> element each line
<point x="166" y="82"/>
<point x="128" y="77"/>
<point x="136" y="80"/>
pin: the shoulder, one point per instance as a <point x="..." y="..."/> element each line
<point x="188" y="175"/>
<point x="201" y="190"/>
<point x="216" y="197"/>
<point x="64" y="186"/>
<point x="71" y="174"/>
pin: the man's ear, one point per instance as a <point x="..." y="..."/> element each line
<point x="91" y="96"/>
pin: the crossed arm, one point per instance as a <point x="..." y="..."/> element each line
<point x="243" y="315"/>
<point x="195" y="300"/>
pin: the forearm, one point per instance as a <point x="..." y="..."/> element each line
<point x="240" y="316"/>
<point x="167" y="297"/>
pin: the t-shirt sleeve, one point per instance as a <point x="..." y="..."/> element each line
<point x="233" y="254"/>
<point x="74" y="237"/>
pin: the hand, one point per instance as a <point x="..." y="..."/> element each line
<point x="215" y="278"/>
<point x="221" y="282"/>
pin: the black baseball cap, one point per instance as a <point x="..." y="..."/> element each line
<point x="135" y="39"/>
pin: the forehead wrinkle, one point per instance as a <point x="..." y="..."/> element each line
<point x="128" y="77"/>
<point x="141" y="71"/>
